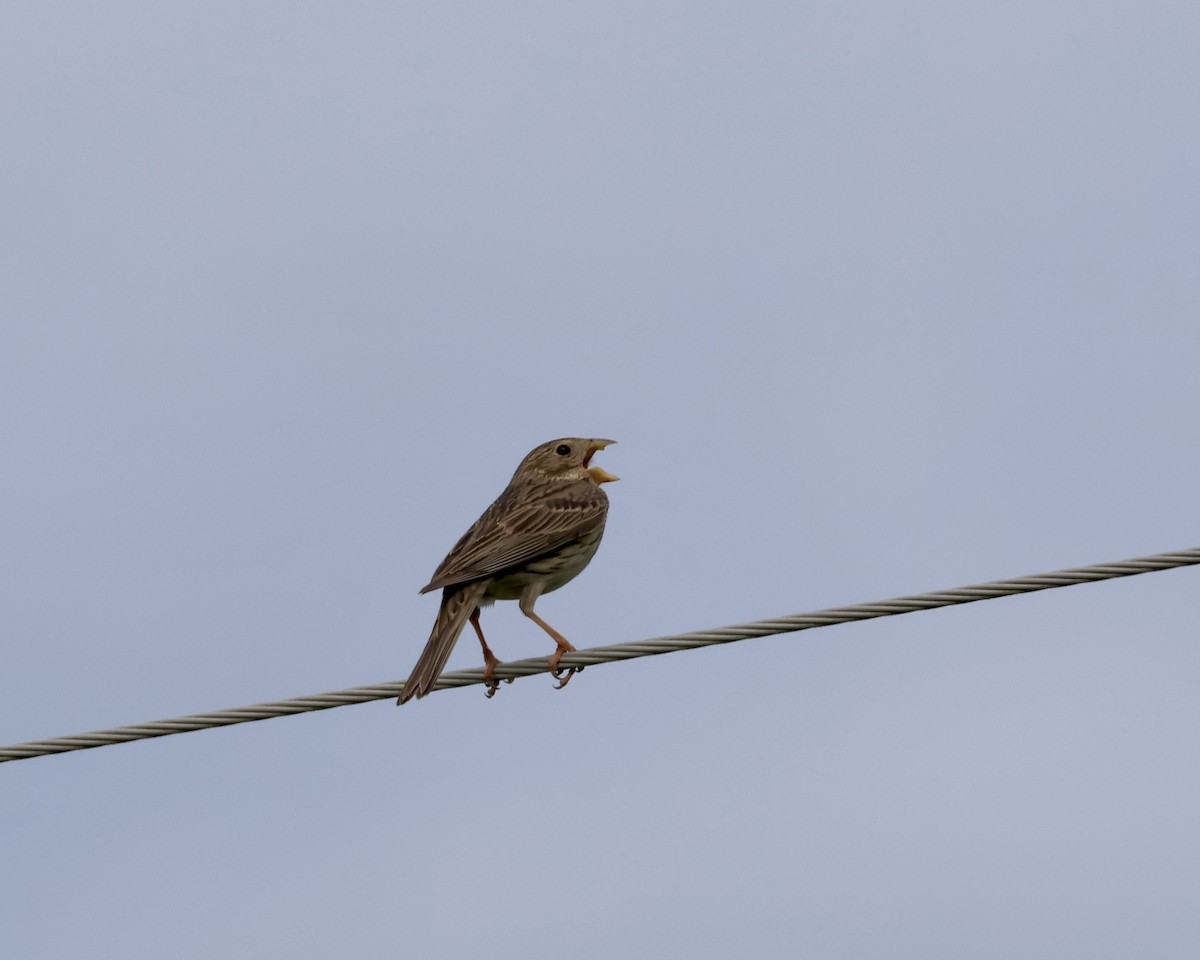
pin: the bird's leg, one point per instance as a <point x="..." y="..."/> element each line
<point x="564" y="646"/>
<point x="489" y="658"/>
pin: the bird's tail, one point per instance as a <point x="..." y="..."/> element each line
<point x="458" y="603"/>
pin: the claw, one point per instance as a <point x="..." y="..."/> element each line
<point x="564" y="676"/>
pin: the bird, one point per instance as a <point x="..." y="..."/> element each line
<point x="537" y="536"/>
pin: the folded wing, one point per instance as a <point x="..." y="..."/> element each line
<point x="522" y="525"/>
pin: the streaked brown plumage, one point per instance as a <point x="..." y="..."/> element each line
<point x="538" y="535"/>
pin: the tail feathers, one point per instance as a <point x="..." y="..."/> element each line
<point x="458" y="603"/>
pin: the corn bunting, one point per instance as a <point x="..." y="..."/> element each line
<point x="538" y="535"/>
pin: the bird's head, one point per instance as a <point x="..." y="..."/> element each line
<point x="565" y="459"/>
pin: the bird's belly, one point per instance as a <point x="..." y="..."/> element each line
<point x="552" y="570"/>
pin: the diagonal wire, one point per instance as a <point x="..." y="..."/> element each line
<point x="618" y="651"/>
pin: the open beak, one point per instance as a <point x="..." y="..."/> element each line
<point x="599" y="474"/>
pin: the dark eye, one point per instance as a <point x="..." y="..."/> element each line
<point x="563" y="450"/>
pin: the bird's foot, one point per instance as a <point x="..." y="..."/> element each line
<point x="489" y="675"/>
<point x="563" y="676"/>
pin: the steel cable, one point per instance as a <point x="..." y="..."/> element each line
<point x="613" y="653"/>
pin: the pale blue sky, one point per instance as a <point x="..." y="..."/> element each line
<point x="875" y="299"/>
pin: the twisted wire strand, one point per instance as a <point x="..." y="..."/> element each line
<point x="609" y="654"/>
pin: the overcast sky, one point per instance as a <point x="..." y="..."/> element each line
<point x="876" y="299"/>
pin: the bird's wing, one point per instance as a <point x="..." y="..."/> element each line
<point x="526" y="521"/>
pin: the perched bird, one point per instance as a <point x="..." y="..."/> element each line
<point x="538" y="535"/>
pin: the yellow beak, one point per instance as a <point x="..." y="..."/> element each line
<point x="598" y="474"/>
